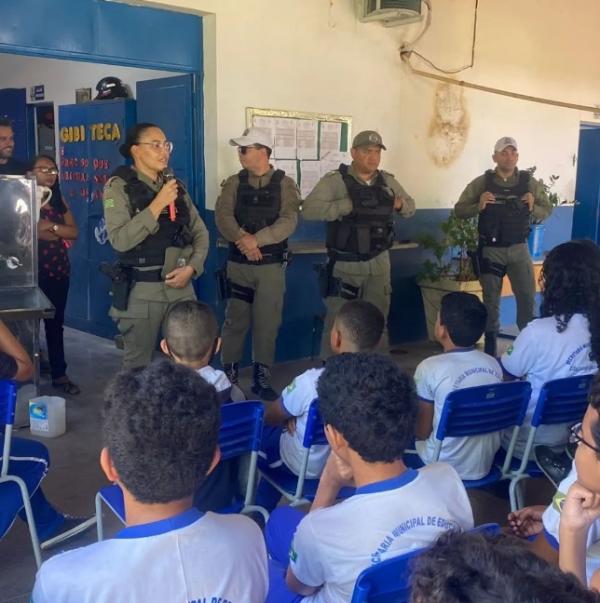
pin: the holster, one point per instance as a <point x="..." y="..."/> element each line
<point x="121" y="279"/>
<point x="222" y="283"/>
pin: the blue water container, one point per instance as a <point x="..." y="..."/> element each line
<point x="536" y="241"/>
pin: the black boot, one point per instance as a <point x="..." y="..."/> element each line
<point x="489" y="346"/>
<point x="231" y="370"/>
<point x="262" y="383"/>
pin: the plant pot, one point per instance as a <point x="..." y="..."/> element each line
<point x="432" y="293"/>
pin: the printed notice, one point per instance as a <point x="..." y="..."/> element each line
<point x="332" y="159"/>
<point x="310" y="174"/>
<point x="285" y="138"/>
<point x="331" y="137"/>
<point x="289" y="166"/>
<point x="307" y="139"/>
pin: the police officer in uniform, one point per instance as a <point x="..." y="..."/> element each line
<point x="358" y="202"/>
<point x="505" y="200"/>
<point x="256" y="212"/>
<point x="160" y="240"/>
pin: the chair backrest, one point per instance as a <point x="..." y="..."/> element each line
<point x="562" y="401"/>
<point x="386" y="582"/>
<point x="241" y="428"/>
<point x="484" y="409"/>
<point x="8" y="402"/>
<point x="314" y="434"/>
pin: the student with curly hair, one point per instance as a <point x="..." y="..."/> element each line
<point x="368" y="407"/>
<point x="565" y="341"/>
<point x="480" y="568"/>
<point x="161" y="427"/>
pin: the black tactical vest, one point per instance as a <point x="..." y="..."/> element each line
<point x="255" y="209"/>
<point x="151" y="251"/>
<point x="369" y="229"/>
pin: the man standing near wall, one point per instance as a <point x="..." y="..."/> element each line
<point x="505" y="199"/>
<point x="358" y="203"/>
<point x="8" y="165"/>
<point x="256" y="212"/>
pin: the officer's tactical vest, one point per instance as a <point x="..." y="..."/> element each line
<point x="505" y="222"/>
<point x="255" y="209"/>
<point x="369" y="228"/>
<point x="151" y="251"/>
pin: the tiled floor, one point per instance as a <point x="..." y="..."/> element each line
<point x="75" y="474"/>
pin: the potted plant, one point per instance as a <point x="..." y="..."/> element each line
<point x="536" y="236"/>
<point x="451" y="269"/>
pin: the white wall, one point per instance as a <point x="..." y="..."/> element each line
<point x="314" y="55"/>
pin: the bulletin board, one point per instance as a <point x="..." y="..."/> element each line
<point x="306" y="145"/>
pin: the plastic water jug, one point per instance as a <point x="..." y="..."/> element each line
<point x="47" y="417"/>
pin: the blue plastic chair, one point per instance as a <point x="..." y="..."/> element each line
<point x="8" y="400"/>
<point x="298" y="489"/>
<point x="239" y="434"/>
<point x="481" y="410"/>
<point x="561" y="401"/>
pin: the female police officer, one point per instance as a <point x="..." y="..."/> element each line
<point x="160" y="240"/>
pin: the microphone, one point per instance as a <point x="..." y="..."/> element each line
<point x="169" y="174"/>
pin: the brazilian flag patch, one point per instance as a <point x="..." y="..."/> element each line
<point x="509" y="350"/>
<point x="558" y="501"/>
<point x="293" y="555"/>
<point x="109" y="203"/>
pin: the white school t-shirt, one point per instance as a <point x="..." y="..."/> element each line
<point x="295" y="400"/>
<point x="540" y="353"/>
<point x="551" y="521"/>
<point x="221" y="382"/>
<point x="435" y="378"/>
<point x="333" y="545"/>
<point x="188" y="558"/>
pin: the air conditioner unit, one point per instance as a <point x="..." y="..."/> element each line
<point x="392" y="12"/>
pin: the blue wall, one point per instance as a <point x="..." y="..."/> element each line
<point x="300" y="333"/>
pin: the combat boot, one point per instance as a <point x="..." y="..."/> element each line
<point x="262" y="383"/>
<point x="231" y="371"/>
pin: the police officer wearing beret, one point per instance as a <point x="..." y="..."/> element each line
<point x="160" y="240"/>
<point x="505" y="200"/>
<point x="358" y="202"/>
<point x="256" y="213"/>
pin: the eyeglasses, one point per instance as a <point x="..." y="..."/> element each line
<point x="167" y="145"/>
<point x="577" y="438"/>
<point x="244" y="150"/>
<point x="47" y="170"/>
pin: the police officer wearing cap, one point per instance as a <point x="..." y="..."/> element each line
<point x="358" y="202"/>
<point x="160" y="240"/>
<point x="256" y="212"/>
<point x="505" y="200"/>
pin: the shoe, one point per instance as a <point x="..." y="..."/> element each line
<point x="66" y="386"/>
<point x="262" y="383"/>
<point x="489" y="345"/>
<point x="71" y="526"/>
<point x="232" y="373"/>
<point x="554" y="463"/>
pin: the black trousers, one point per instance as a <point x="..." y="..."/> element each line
<point x="56" y="291"/>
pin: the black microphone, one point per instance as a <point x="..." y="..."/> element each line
<point x="169" y="174"/>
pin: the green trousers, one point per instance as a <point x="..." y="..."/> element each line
<point x="373" y="280"/>
<point x="519" y="269"/>
<point x="263" y="287"/>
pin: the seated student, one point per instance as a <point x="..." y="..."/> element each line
<point x="192" y="339"/>
<point x="459" y="325"/>
<point x="565" y="341"/>
<point x="357" y="327"/>
<point x="30" y="461"/>
<point x="481" y="568"/>
<point x="160" y="430"/>
<point x="368" y="407"/>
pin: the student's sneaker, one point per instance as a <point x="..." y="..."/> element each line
<point x="262" y="383"/>
<point x="71" y="526"/>
<point x="231" y="372"/>
<point x="555" y="464"/>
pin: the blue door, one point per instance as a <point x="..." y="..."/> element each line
<point x="13" y="105"/>
<point x="169" y="103"/>
<point x="586" y="216"/>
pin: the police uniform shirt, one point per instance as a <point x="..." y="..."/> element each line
<point x="435" y="378"/>
<point x="551" y="521"/>
<point x="189" y="557"/>
<point x="540" y="353"/>
<point x="280" y="230"/>
<point x="468" y="204"/>
<point x="125" y="230"/>
<point x="333" y="545"/>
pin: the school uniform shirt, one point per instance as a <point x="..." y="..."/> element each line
<point x="333" y="545"/>
<point x="221" y="383"/>
<point x="540" y="353"/>
<point x="295" y="400"/>
<point x="187" y="558"/>
<point x="551" y="521"/>
<point x="435" y="378"/>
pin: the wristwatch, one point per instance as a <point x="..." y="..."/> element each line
<point x="55" y="228"/>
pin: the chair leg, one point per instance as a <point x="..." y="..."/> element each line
<point x="35" y="543"/>
<point x="515" y="494"/>
<point x="99" y="524"/>
<point x="256" y="509"/>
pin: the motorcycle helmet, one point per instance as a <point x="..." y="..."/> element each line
<point x="111" y="87"/>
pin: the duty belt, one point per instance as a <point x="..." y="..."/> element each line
<point x="147" y="276"/>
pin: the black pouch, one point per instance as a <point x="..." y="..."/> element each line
<point x="223" y="289"/>
<point x="121" y="283"/>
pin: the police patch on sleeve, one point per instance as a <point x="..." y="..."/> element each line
<point x="108" y="203"/>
